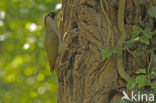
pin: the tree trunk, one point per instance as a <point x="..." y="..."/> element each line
<point x="83" y="76"/>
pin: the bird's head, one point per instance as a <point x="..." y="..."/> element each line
<point x="51" y="18"/>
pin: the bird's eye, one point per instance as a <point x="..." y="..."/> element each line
<point x="52" y="15"/>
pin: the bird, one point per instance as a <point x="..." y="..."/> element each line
<point x="53" y="41"/>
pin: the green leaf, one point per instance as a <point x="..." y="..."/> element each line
<point x="131" y="84"/>
<point x="144" y="39"/>
<point x="136" y="30"/>
<point x="153" y="85"/>
<point x="134" y="38"/>
<point x="127" y="44"/>
<point x="106" y="53"/>
<point x="152" y="11"/>
<point x="142" y="80"/>
<point x="147" y="33"/>
<point x="117" y="100"/>
<point x="141" y="71"/>
<point x="114" y="49"/>
<point x="139" y="52"/>
<point x="142" y="45"/>
<point x="153" y="72"/>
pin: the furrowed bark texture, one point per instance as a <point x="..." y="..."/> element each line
<point x="83" y="76"/>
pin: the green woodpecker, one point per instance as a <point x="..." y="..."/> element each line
<point x="53" y="40"/>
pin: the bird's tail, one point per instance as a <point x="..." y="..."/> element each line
<point x="55" y="67"/>
<point x="52" y="68"/>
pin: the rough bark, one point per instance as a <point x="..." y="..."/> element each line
<point x="83" y="76"/>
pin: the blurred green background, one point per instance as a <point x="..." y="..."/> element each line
<point x="25" y="75"/>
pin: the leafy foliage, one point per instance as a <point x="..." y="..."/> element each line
<point x="109" y="52"/>
<point x="131" y="84"/>
<point x="145" y="38"/>
<point x="141" y="71"/>
<point x="24" y="70"/>
<point x="143" y="79"/>
<point x="141" y="38"/>
<point x="106" y="53"/>
<point x="136" y="30"/>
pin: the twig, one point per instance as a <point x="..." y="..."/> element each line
<point x="150" y="63"/>
<point x="132" y="54"/>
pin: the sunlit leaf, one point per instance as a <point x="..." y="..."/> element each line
<point x="23" y="59"/>
<point x="28" y="71"/>
<point x="147" y="33"/>
<point x="131" y="84"/>
<point x="33" y="94"/>
<point x="154" y="72"/>
<point x="142" y="80"/>
<point x="106" y="53"/>
<point x="134" y="38"/>
<point x="40" y="77"/>
<point x="141" y="71"/>
<point x="136" y="30"/>
<point x="153" y="84"/>
<point x="144" y="39"/>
